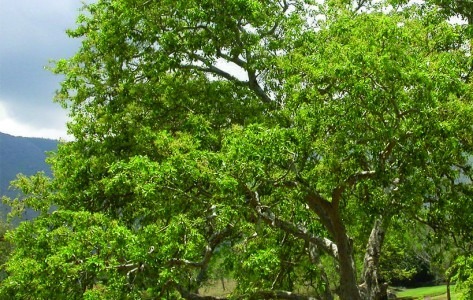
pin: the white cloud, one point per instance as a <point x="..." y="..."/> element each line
<point x="10" y="126"/>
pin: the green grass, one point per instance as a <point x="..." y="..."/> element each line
<point x="216" y="289"/>
<point x="434" y="292"/>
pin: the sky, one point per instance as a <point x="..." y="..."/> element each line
<point x="32" y="33"/>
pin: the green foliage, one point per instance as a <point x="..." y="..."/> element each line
<point x="36" y="194"/>
<point x="5" y="248"/>
<point x="330" y="117"/>
<point x="77" y="253"/>
<point x="401" y="260"/>
<point x="21" y="155"/>
<point x="462" y="271"/>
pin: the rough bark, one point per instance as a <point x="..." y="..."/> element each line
<point x="331" y="219"/>
<point x="340" y="248"/>
<point x="373" y="288"/>
<point x="267" y="215"/>
<point x="348" y="289"/>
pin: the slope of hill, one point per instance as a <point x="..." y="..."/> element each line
<point x="21" y="155"/>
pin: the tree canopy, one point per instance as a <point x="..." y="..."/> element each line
<point x="272" y="141"/>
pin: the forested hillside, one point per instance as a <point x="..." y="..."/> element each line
<point x="21" y="155"/>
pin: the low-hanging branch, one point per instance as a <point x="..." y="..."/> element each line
<point x="267" y="215"/>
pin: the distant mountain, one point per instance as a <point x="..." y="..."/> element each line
<point x="22" y="155"/>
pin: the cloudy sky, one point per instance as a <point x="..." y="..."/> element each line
<point x="32" y="32"/>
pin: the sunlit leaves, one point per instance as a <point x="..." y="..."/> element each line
<point x="79" y="252"/>
<point x="195" y="120"/>
<point x="462" y="271"/>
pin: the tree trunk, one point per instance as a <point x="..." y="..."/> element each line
<point x="329" y="215"/>
<point x="348" y="289"/>
<point x="348" y="286"/>
<point x="373" y="288"/>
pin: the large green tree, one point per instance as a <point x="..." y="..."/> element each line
<point x="274" y="139"/>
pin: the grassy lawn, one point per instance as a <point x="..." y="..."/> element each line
<point x="434" y="292"/>
<point x="216" y="288"/>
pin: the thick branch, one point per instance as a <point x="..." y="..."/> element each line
<point x="234" y="59"/>
<point x="209" y="68"/>
<point x="252" y="83"/>
<point x="319" y="205"/>
<point x="255" y="87"/>
<point x="296" y="230"/>
<point x="322" y="208"/>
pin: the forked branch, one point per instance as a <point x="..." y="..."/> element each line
<point x="267" y="215"/>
